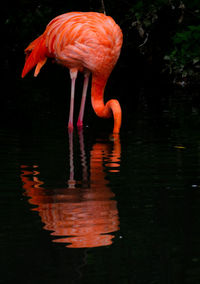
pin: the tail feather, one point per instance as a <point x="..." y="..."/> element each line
<point x="36" y="54"/>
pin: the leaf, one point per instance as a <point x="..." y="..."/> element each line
<point x="196" y="60"/>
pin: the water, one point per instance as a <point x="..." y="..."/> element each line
<point x="83" y="208"/>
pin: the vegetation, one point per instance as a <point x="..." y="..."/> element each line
<point x="169" y="30"/>
<point x="184" y="60"/>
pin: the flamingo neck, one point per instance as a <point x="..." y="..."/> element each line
<point x="111" y="108"/>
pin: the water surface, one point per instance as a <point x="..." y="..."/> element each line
<point x="83" y="208"/>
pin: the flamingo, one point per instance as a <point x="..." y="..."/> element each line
<point x="88" y="42"/>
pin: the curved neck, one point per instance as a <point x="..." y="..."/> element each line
<point x="111" y="108"/>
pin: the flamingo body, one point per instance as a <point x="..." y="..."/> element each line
<point x="88" y="42"/>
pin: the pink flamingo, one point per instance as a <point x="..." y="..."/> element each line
<point x="88" y="42"/>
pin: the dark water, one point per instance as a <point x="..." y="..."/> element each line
<point x="83" y="208"/>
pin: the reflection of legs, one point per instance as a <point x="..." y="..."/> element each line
<point x="71" y="181"/>
<point x="73" y="75"/>
<point x="82" y="108"/>
<point x="83" y="157"/>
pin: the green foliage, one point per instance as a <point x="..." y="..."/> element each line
<point x="146" y="11"/>
<point x="184" y="59"/>
<point x="138" y="11"/>
<point x="169" y="29"/>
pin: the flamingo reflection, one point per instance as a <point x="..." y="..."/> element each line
<point x="84" y="214"/>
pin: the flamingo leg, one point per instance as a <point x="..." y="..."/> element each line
<point x="73" y="75"/>
<point x="84" y="93"/>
